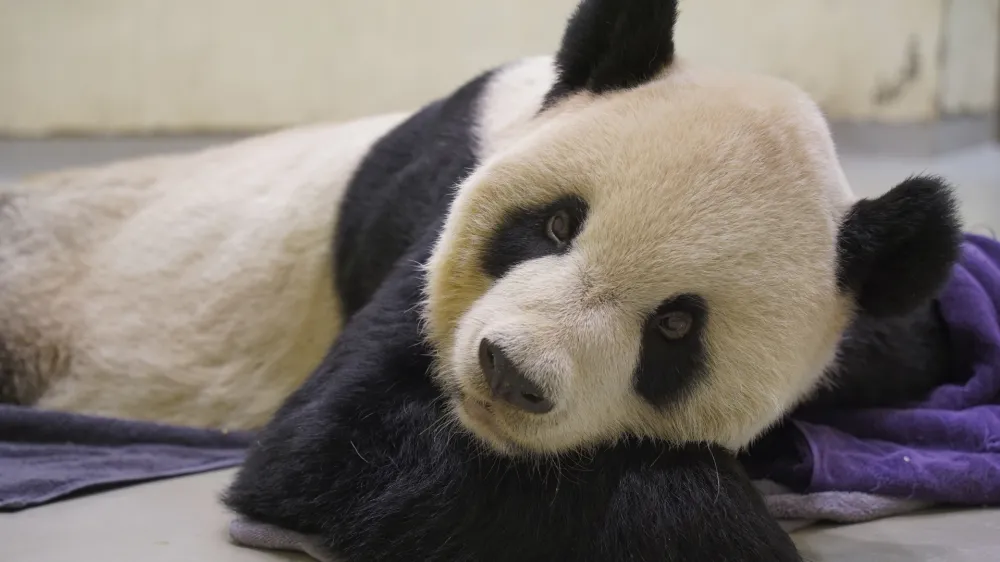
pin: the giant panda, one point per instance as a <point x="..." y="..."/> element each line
<point x="564" y="295"/>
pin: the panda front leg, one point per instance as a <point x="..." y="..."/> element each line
<point x="365" y="457"/>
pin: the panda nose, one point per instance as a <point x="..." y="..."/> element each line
<point x="508" y="383"/>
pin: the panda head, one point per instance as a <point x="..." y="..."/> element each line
<point x="663" y="251"/>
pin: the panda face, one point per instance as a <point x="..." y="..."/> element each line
<point x="658" y="261"/>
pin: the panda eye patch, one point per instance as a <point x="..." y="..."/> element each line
<point x="530" y="233"/>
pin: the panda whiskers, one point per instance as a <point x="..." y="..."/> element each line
<point x="417" y="307"/>
<point x="446" y="425"/>
<point x="559" y="473"/>
<point x="437" y="426"/>
<point x="357" y="452"/>
<point x="718" y="476"/>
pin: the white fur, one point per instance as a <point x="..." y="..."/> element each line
<point x="192" y="289"/>
<point x="511" y="100"/>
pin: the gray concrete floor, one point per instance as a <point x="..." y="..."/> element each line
<point x="974" y="171"/>
<point x="21" y="157"/>
<point x="180" y="519"/>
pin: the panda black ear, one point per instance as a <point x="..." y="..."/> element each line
<point x="613" y="45"/>
<point x="896" y="251"/>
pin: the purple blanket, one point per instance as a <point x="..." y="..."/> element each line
<point x="47" y="456"/>
<point x="944" y="449"/>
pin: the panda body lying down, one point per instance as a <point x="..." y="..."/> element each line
<point x="537" y="273"/>
<point x="551" y="279"/>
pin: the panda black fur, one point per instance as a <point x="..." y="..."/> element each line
<point x="889" y="361"/>
<point x="401" y="192"/>
<point x="367" y="454"/>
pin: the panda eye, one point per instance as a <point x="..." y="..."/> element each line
<point x="675" y="324"/>
<point x="673" y="354"/>
<point x="560" y="227"/>
<point x="528" y="233"/>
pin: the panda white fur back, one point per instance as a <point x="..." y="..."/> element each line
<point x="190" y="289"/>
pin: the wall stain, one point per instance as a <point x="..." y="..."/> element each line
<point x="888" y="92"/>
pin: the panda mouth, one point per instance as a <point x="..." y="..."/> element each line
<point x="480" y="417"/>
<point x="487" y="422"/>
<point x="479" y="410"/>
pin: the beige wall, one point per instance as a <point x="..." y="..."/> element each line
<point x="970" y="32"/>
<point x="202" y="65"/>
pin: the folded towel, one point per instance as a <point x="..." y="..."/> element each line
<point x="45" y="456"/>
<point x="795" y="511"/>
<point x="252" y="534"/>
